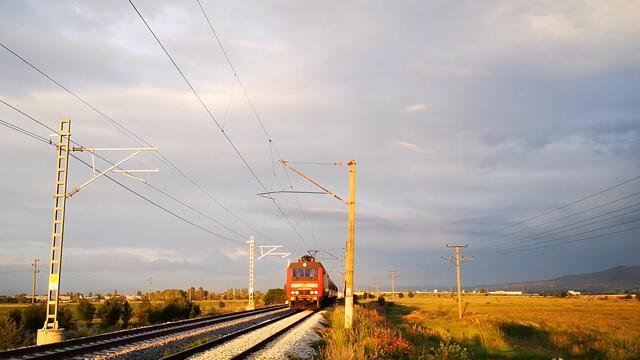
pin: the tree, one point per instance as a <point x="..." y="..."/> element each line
<point x="86" y="310"/>
<point x="126" y="313"/>
<point x="11" y="334"/>
<point x="110" y="311"/>
<point x="274" y="296"/>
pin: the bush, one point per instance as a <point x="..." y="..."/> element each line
<point x="400" y="295"/>
<point x="126" y="313"/>
<point x="86" y="310"/>
<point x="33" y="317"/>
<point x="274" y="296"/>
<point x="175" y="309"/>
<point x="411" y="294"/>
<point x="221" y="304"/>
<point x="451" y="352"/>
<point x="110" y="311"/>
<point x="145" y="313"/>
<point x="65" y="318"/>
<point x="11" y="334"/>
<point x="381" y="300"/>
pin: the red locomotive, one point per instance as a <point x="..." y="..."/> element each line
<point x="308" y="284"/>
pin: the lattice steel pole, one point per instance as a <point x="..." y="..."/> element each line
<point x="251" y="305"/>
<point x="50" y="332"/>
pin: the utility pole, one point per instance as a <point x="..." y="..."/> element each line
<point x="252" y="304"/>
<point x="265" y="250"/>
<point x="50" y="332"/>
<point x="350" y="246"/>
<point x="35" y="272"/>
<point x="149" y="284"/>
<point x="350" y="249"/>
<point x="377" y="287"/>
<point x="458" y="260"/>
<point x="394" y="274"/>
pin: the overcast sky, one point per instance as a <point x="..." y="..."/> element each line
<point x="464" y="119"/>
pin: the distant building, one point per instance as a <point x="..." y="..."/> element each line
<point x="503" y="292"/>
<point x="571" y="292"/>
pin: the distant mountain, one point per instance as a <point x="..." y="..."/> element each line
<point x="612" y="280"/>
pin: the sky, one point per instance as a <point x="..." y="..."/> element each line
<point x="470" y="122"/>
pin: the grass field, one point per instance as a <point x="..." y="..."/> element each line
<point x="494" y="327"/>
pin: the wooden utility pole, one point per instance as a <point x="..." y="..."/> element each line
<point x="394" y="274"/>
<point x="35" y="273"/>
<point x="458" y="260"/>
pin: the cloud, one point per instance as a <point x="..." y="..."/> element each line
<point x="408" y="146"/>
<point x="236" y="253"/>
<point x="145" y="254"/>
<point x="416" y="108"/>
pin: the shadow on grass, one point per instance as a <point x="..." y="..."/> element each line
<point x="523" y="340"/>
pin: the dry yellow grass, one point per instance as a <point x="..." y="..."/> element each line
<point x="525" y="326"/>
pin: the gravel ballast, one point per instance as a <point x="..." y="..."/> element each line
<point x="155" y="348"/>
<point x="240" y="344"/>
<point x="297" y="342"/>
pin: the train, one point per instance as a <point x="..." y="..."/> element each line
<point x="309" y="285"/>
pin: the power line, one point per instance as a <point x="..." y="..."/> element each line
<point x="215" y="121"/>
<point x="576" y="240"/>
<point x="130" y="134"/>
<point x="569" y="204"/>
<point x="574" y="214"/>
<point x="272" y="147"/>
<point x="555" y="232"/>
<point x="195" y="93"/>
<point x="147" y="183"/>
<point x="43" y="139"/>
<point x="24" y="131"/>
<point x="506" y="251"/>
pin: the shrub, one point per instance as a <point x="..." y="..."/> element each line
<point x="33" y="317"/>
<point x="195" y="311"/>
<point x="110" y="311"/>
<point x="86" y="310"/>
<point x="274" y="296"/>
<point x="400" y="295"/>
<point x="126" y="313"/>
<point x="381" y="300"/>
<point x="175" y="309"/>
<point x="65" y="318"/>
<point x="451" y="352"/>
<point x="221" y="304"/>
<point x="411" y="294"/>
<point x="145" y="312"/>
<point x="11" y="334"/>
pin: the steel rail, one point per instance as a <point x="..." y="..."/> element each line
<point x="84" y="345"/>
<point x="185" y="354"/>
<point x="264" y="343"/>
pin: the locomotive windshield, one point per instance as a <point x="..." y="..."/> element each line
<point x="300" y="273"/>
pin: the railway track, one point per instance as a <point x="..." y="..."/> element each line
<point x="82" y="347"/>
<point x="244" y="343"/>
